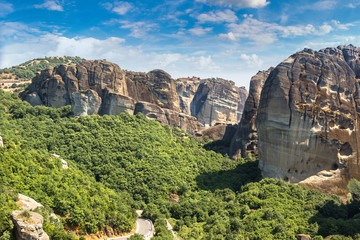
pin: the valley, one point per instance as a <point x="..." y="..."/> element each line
<point x="118" y="161"/>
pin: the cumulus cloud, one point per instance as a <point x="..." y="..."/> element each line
<point x="50" y="5"/>
<point x="217" y="16"/>
<point x="118" y="7"/>
<point x="199" y="31"/>
<point x="259" y="32"/>
<point x="252" y="60"/>
<point x="113" y="49"/>
<point x="237" y="3"/>
<point x="5" y="9"/>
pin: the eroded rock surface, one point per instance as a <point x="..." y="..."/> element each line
<point x="308" y="119"/>
<point x="245" y="139"/>
<point x="101" y="87"/>
<point x="218" y="101"/>
<point x="28" y="227"/>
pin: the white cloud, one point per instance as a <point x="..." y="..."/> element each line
<point x="137" y="29"/>
<point x="354" y="4"/>
<point x="324" y="5"/>
<point x="341" y="26"/>
<point x="113" y="49"/>
<point x="259" y="32"/>
<point x="16" y="30"/>
<point x="252" y="60"/>
<point x="199" y="31"/>
<point x="167" y="59"/>
<point x="237" y="3"/>
<point x="50" y="5"/>
<point x="118" y="7"/>
<point x="217" y="16"/>
<point x="5" y="9"/>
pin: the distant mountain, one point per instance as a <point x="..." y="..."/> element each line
<point x="27" y="70"/>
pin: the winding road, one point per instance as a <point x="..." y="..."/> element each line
<point x="143" y="226"/>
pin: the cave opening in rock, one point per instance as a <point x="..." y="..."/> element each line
<point x="346" y="149"/>
<point x="335" y="166"/>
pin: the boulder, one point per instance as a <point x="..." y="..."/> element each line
<point x="303" y="237"/>
<point x="28" y="225"/>
<point x="27" y="203"/>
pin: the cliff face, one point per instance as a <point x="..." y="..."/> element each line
<point x="101" y="87"/>
<point x="29" y="227"/>
<point x="307" y="119"/>
<point x="218" y="101"/>
<point x="245" y="139"/>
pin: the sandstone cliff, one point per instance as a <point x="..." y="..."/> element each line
<point x="245" y="139"/>
<point x="218" y="101"/>
<point x="308" y="119"/>
<point x="101" y="87"/>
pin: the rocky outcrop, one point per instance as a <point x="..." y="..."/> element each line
<point x="217" y="101"/>
<point x="28" y="225"/>
<point x="64" y="164"/>
<point x="308" y="119"/>
<point x="1" y="142"/>
<point x="186" y="89"/>
<point x="101" y="87"/>
<point x="27" y="203"/>
<point x="245" y="139"/>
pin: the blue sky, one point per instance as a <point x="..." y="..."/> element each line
<point x="232" y="39"/>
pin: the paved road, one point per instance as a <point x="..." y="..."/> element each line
<point x="143" y="226"/>
<point x="169" y="227"/>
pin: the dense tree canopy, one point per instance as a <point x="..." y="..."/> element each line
<point x="119" y="163"/>
<point x="28" y="69"/>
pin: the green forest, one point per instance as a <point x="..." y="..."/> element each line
<point x="118" y="164"/>
<point x="28" y="69"/>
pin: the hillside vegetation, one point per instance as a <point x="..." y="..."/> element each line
<point x="27" y="70"/>
<point x="124" y="162"/>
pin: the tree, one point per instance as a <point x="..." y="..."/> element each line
<point x="137" y="236"/>
<point x="354" y="188"/>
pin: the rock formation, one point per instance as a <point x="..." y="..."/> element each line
<point x="27" y="203"/>
<point x="245" y="139"/>
<point x="64" y="164"/>
<point x="28" y="225"/>
<point x="218" y="101"/>
<point x="308" y="119"/>
<point x="1" y="142"/>
<point x="101" y="87"/>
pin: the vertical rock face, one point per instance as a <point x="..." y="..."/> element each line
<point x="186" y="91"/>
<point x="308" y="119"/>
<point x="217" y="102"/>
<point x="245" y="139"/>
<point x="101" y="87"/>
<point x="28" y="227"/>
